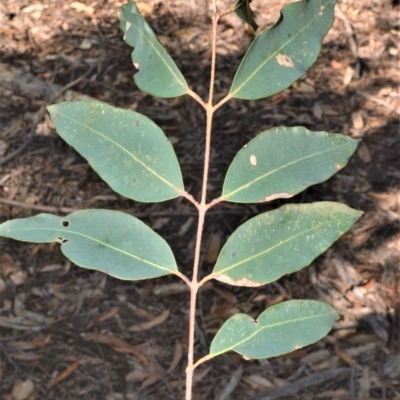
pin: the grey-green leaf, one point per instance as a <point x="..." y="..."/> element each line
<point x="280" y="329"/>
<point x="281" y="162"/>
<point x="109" y="241"/>
<point x="128" y="150"/>
<point x="245" y="13"/>
<point x="282" y="54"/>
<point x="158" y="74"/>
<point x="281" y="241"/>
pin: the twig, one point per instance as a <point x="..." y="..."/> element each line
<point x="38" y="117"/>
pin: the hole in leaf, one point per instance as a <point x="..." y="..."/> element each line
<point x="65" y="223"/>
<point x="62" y="240"/>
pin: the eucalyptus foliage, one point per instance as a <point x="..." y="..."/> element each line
<point x="134" y="157"/>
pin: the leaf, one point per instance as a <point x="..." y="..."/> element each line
<point x="281" y="162"/>
<point x="158" y="74"/>
<point x="281" y="241"/>
<point x="109" y="241"/>
<point x="245" y="13"/>
<point x="280" y="55"/>
<point x="128" y="150"/>
<point x="280" y="329"/>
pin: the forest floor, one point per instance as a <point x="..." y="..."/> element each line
<point x="70" y="333"/>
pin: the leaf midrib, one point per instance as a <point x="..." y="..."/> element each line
<point x="281" y="243"/>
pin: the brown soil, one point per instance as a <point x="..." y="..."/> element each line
<point x="64" y="331"/>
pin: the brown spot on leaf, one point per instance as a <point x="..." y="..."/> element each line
<point x="276" y="196"/>
<point x="238" y="282"/>
<point x="284" y="60"/>
<point x="339" y="167"/>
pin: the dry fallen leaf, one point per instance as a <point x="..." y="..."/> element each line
<point x="199" y="376"/>
<point x="363" y="153"/>
<point x="63" y="375"/>
<point x="22" y="389"/>
<point x="109" y="315"/>
<point x="213" y="248"/>
<point x="185" y="227"/>
<point x="259" y="382"/>
<point x="177" y="357"/>
<point x="153" y="378"/>
<point x="119" y="345"/>
<point x="7" y="264"/>
<point x="148" y="325"/>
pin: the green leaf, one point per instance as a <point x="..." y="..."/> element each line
<point x="109" y="241"/>
<point x="128" y="150"/>
<point x="282" y="54"/>
<point x="281" y="162"/>
<point x="280" y="329"/>
<point x="245" y="13"/>
<point x="281" y="241"/>
<point x="158" y="74"/>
